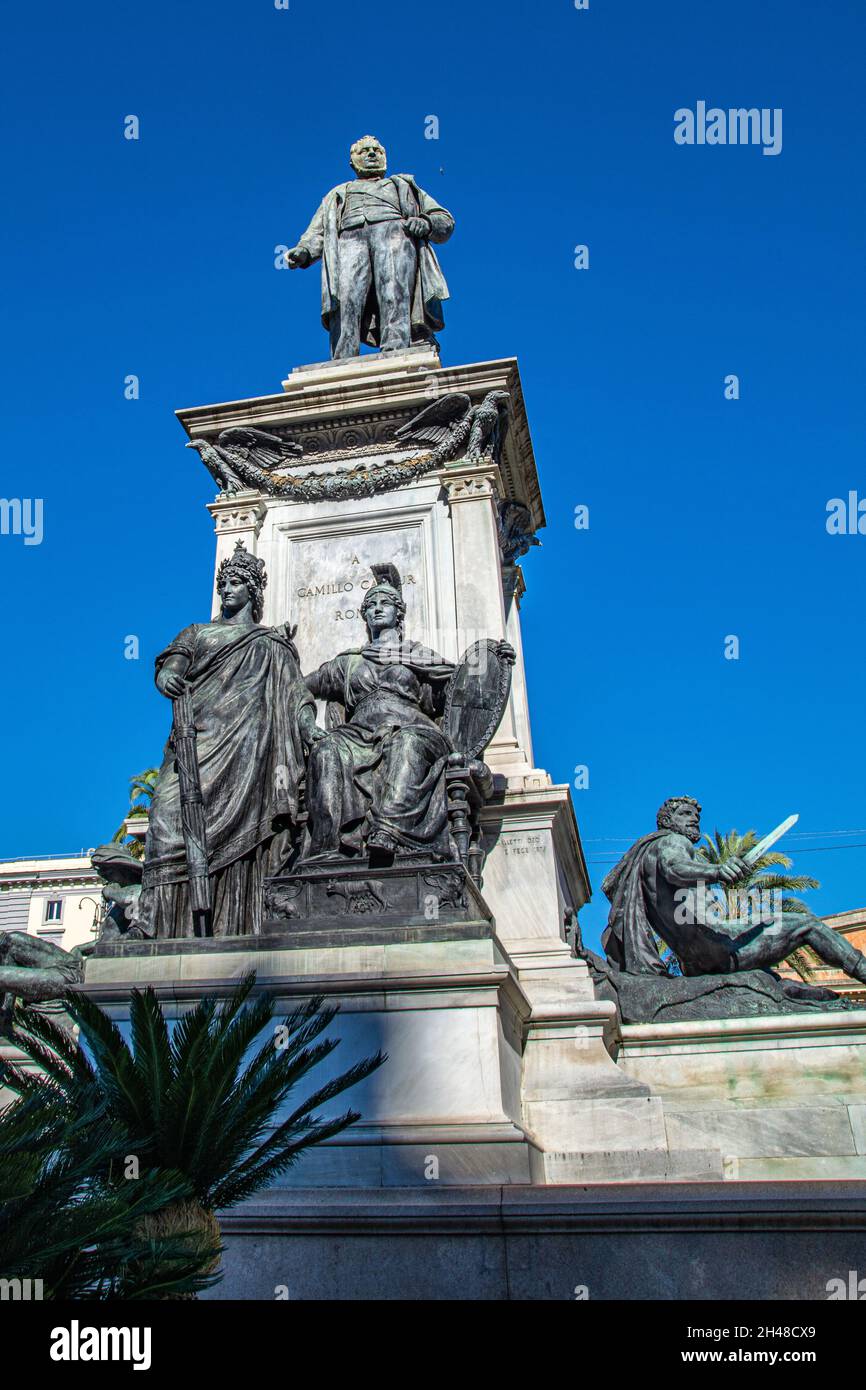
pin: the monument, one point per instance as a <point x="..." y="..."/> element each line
<point x="348" y="801"/>
<point x="658" y="892"/>
<point x="381" y="282"/>
<point x="349" y="805"/>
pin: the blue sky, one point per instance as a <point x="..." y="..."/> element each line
<point x="707" y="516"/>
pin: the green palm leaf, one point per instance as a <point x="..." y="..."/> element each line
<point x="760" y="879"/>
<point x="199" y="1105"/>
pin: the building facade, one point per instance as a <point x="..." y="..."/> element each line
<point x="54" y="896"/>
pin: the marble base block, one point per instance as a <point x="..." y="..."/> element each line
<point x="776" y="1097"/>
<point x="655" y="1240"/>
<point x="442" y="1003"/>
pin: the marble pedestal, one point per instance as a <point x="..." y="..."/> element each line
<point x="778" y="1097"/>
<point x="496" y="1072"/>
<point x="444" y="1004"/>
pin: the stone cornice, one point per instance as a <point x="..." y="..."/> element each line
<point x="356" y="412"/>
<point x="47" y="878"/>
<point x="833" y="1027"/>
<point x="681" y="1207"/>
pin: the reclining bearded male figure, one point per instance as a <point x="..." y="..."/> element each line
<point x="36" y="970"/>
<point x="657" y="887"/>
<point x="375" y="783"/>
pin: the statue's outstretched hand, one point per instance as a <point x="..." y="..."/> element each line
<point x="297" y="257"/>
<point x="507" y="652"/>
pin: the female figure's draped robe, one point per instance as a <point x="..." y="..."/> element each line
<point x="247" y="693"/>
<point x="384" y="768"/>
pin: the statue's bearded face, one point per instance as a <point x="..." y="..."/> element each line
<point x="687" y="820"/>
<point x="368" y="157"/>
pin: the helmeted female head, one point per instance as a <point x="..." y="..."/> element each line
<point x="387" y="590"/>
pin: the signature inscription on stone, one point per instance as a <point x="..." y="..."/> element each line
<point x="524" y="844"/>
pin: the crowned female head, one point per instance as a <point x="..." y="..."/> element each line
<point x="241" y="580"/>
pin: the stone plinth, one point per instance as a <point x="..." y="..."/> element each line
<point x="781" y="1097"/>
<point x="411" y="892"/>
<point x="705" y="1240"/>
<point x="535" y="875"/>
<point x="447" y="1010"/>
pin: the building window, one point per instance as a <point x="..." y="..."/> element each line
<point x="54" y="910"/>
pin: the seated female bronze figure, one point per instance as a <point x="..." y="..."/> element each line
<point x="376" y="783"/>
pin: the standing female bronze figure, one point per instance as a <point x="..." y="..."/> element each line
<point x="253" y="719"/>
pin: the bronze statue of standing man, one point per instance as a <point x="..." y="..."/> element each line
<point x="381" y="281"/>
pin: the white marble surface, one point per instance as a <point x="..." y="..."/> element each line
<point x="783" y="1096"/>
<point x="449" y="1015"/>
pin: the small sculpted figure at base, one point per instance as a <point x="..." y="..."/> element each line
<point x="120" y="874"/>
<point x="34" y="971"/>
<point x="253" y="719"/>
<point x="657" y="887"/>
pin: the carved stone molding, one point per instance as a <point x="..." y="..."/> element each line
<point x="350" y="438"/>
<point x="244" y="511"/>
<point x="467" y="482"/>
<point x="38" y="881"/>
<point x="412" y="891"/>
<point x="513" y="584"/>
